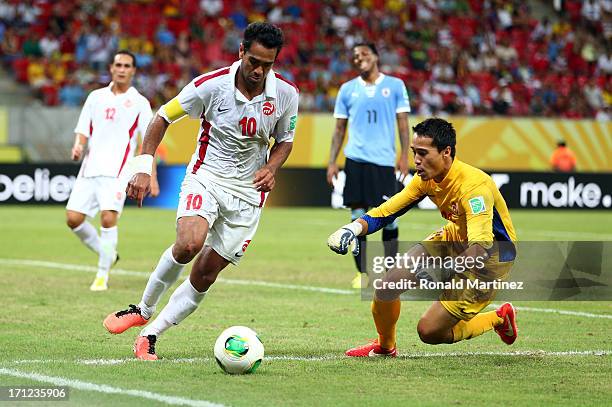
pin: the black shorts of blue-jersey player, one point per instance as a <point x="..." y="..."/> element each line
<point x="368" y="186"/>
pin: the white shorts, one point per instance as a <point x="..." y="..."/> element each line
<point x="232" y="221"/>
<point x="93" y="194"/>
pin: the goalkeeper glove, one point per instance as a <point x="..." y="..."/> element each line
<point x="345" y="238"/>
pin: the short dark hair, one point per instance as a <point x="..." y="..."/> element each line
<point x="561" y="143"/>
<point x="367" y="44"/>
<point x="124" y="52"/>
<point x="268" y="35"/>
<point x="441" y="131"/>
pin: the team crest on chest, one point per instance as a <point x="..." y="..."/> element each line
<point x="453" y="213"/>
<point x="268" y="108"/>
<point x="128" y="103"/>
<point x="386" y="92"/>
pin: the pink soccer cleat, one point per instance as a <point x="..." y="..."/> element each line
<point x="120" y="321"/>
<point x="507" y="331"/>
<point x="372" y="349"/>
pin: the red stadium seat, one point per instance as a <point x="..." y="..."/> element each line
<point x="50" y="94"/>
<point x="20" y="67"/>
<point x="178" y="25"/>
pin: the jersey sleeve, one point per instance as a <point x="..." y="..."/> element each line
<point x="285" y="127"/>
<point x="402" y="101"/>
<point x="396" y="206"/>
<point x="84" y="124"/>
<point x="146" y="114"/>
<point x="187" y="102"/>
<point x="341" y="108"/>
<point x="478" y="206"/>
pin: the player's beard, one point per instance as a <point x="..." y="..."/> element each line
<point x="254" y="82"/>
<point x="365" y="67"/>
<point x="255" y="78"/>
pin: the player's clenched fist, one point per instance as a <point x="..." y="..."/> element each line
<point x="140" y="184"/>
<point x="77" y="152"/>
<point x="138" y="187"/>
<point x="264" y="180"/>
<point x="345" y="238"/>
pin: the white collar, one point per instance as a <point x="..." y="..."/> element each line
<point x="269" y="89"/>
<point x="378" y="80"/>
<point x="110" y="89"/>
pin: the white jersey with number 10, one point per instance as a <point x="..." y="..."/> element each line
<point x="235" y="132"/>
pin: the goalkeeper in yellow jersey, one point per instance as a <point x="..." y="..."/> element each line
<point x="479" y="227"/>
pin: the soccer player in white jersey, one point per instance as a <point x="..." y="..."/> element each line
<point x="240" y="108"/>
<point x="370" y="104"/>
<point x="110" y="122"/>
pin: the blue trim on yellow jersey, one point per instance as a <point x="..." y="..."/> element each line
<point x="507" y="251"/>
<point x="375" y="224"/>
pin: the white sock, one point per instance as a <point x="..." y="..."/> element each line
<point x="165" y="274"/>
<point x="88" y="235"/>
<point x="108" y="250"/>
<point x="183" y="302"/>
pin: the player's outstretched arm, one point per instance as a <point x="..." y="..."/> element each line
<point x="140" y="184"/>
<point x="264" y="177"/>
<point x="404" y="137"/>
<point x="337" y="139"/>
<point x="344" y="238"/>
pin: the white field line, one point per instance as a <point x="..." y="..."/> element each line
<point x="283" y="358"/>
<point x="103" y="388"/>
<point x="77" y="267"/>
<point x="560" y="312"/>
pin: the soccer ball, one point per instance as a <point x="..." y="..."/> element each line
<point x="239" y="350"/>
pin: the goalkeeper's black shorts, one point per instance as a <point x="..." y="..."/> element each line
<point x="368" y="184"/>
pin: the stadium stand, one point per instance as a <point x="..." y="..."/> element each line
<point x="455" y="56"/>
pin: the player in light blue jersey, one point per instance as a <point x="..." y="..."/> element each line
<point x="370" y="104"/>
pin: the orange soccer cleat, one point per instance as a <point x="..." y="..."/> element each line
<point x="144" y="347"/>
<point x="372" y="349"/>
<point x="507" y="331"/>
<point x="120" y="321"/>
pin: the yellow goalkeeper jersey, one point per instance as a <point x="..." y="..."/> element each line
<point x="467" y="196"/>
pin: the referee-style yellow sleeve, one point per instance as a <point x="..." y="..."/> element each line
<point x="478" y="206"/>
<point x="173" y="110"/>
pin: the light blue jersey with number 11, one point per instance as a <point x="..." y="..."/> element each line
<point x="371" y="112"/>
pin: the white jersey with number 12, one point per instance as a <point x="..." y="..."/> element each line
<point x="112" y="123"/>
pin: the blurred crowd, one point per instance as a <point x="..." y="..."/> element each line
<point x="484" y="57"/>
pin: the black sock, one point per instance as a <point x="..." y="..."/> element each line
<point x="361" y="240"/>
<point x="390" y="244"/>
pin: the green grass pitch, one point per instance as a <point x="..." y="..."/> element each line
<point x="51" y="330"/>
